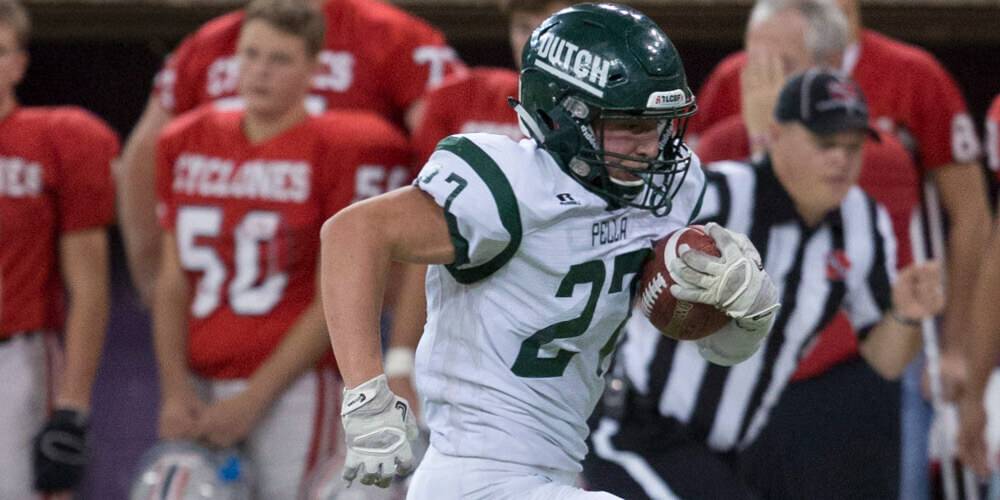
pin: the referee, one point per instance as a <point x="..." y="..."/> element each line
<point x="674" y="425"/>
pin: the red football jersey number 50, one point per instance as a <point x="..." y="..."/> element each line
<point x="244" y="298"/>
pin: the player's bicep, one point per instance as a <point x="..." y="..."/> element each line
<point x="405" y="222"/>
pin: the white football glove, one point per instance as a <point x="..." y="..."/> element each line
<point x="378" y="426"/>
<point x="734" y="283"/>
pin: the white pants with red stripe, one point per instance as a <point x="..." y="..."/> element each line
<point x="298" y="432"/>
<point x="26" y="390"/>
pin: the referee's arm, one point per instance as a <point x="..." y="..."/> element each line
<point x="890" y="346"/>
<point x="917" y="293"/>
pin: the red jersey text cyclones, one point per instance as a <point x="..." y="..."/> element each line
<point x="55" y="178"/>
<point x="246" y="218"/>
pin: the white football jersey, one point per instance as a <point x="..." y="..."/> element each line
<point x="522" y="326"/>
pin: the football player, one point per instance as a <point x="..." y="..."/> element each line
<point x="387" y="77"/>
<point x="534" y="247"/>
<point x="983" y="346"/>
<point x="472" y="101"/>
<point x="56" y="201"/>
<point x="242" y="194"/>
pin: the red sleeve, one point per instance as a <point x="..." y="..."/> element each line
<point x="993" y="136"/>
<point x="373" y="159"/>
<point x="942" y="126"/>
<point x="719" y="96"/>
<point x="726" y="140"/>
<point x="85" y="146"/>
<point x="889" y="175"/>
<point x="436" y="122"/>
<point x="175" y="84"/>
<point x="424" y="60"/>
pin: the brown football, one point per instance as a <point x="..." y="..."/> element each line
<point x="677" y="319"/>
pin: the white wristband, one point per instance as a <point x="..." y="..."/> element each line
<point x="398" y="362"/>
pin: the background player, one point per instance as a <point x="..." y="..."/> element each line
<point x="387" y="77"/>
<point x="238" y="327"/>
<point x="56" y="199"/>
<point x="525" y="301"/>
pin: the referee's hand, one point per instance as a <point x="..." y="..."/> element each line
<point x="918" y="292"/>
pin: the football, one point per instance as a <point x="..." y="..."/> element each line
<point x="677" y="319"/>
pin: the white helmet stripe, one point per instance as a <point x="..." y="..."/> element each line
<point x="562" y="75"/>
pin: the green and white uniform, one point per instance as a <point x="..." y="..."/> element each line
<point x="522" y="326"/>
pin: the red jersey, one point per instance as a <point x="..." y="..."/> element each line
<point x="473" y="101"/>
<point x="55" y="178"/>
<point x="909" y="94"/>
<point x="887" y="173"/>
<point x="247" y="217"/>
<point x="375" y="57"/>
<point x="993" y="136"/>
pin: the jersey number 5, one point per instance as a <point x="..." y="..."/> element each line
<point x="529" y="363"/>
<point x="248" y="293"/>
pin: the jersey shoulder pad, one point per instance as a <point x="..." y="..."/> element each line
<point x="470" y="177"/>
<point x="687" y="202"/>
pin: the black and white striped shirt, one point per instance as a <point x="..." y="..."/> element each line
<point x="846" y="262"/>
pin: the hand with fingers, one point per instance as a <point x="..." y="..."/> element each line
<point x="918" y="292"/>
<point x="60" y="451"/>
<point x="379" y="428"/>
<point x="734" y="282"/>
<point x="971" y="434"/>
<point x="760" y="83"/>
<point x="226" y="422"/>
<point x="180" y="410"/>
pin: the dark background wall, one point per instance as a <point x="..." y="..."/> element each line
<point x="104" y="56"/>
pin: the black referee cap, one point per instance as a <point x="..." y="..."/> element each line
<point x="824" y="102"/>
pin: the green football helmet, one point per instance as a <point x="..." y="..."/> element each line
<point x="589" y="66"/>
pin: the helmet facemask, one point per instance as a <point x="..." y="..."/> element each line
<point x="646" y="182"/>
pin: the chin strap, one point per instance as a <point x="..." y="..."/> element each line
<point x="526" y="122"/>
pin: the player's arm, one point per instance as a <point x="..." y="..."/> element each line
<point x="358" y="244"/>
<point x="60" y="448"/>
<point x="963" y="196"/>
<point x="135" y="179"/>
<point x="982" y="349"/>
<point x="83" y="259"/>
<point x="228" y="421"/>
<point x="408" y="318"/>
<point x="180" y="403"/>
